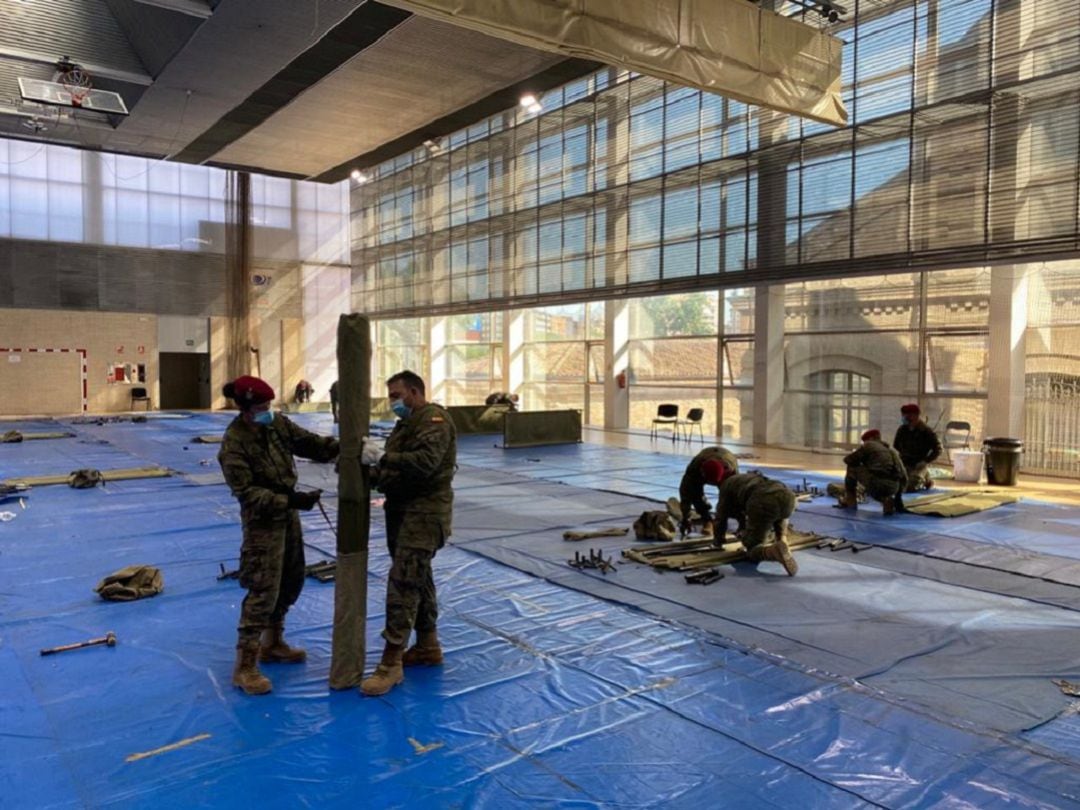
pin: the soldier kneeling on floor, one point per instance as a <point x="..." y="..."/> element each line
<point x="878" y="469"/>
<point x="760" y="505"/>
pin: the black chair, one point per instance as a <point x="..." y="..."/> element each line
<point x="951" y="437"/>
<point x="666" y="414"/>
<point x="692" y="420"/>
<point x="139" y="395"/>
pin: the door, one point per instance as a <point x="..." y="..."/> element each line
<point x="184" y="380"/>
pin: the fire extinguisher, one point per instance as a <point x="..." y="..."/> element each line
<point x="620" y="379"/>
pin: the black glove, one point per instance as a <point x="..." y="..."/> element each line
<point x="303" y="500"/>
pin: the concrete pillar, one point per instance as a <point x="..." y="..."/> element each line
<point x="93" y="199"/>
<point x="438" y="331"/>
<point x="616" y="361"/>
<point x="768" y="363"/>
<point x="1008" y="325"/>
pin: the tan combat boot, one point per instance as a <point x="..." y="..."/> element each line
<point x="850" y="500"/>
<point x="274" y="650"/>
<point x="426" y="652"/>
<point x="387" y="675"/>
<point x="775" y="552"/>
<point x="246" y="673"/>
<point x="708" y="529"/>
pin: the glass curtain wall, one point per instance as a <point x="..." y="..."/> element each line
<point x="962" y="147"/>
<point x="1052" y="371"/>
<point x="856" y="350"/>
<point x="556" y="358"/>
<point x="399" y="345"/>
<point x="474" y="353"/>
<point x="61" y="194"/>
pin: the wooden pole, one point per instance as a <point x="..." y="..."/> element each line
<point x="354" y="503"/>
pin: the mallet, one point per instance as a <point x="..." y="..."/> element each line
<point x="109" y="639"/>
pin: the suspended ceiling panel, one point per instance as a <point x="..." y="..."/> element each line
<point x="420" y="71"/>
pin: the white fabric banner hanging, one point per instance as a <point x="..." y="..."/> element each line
<point x="729" y="47"/>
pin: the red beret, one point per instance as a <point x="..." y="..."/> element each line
<point x="873" y="433"/>
<point x="713" y="471"/>
<point x="911" y="407"/>
<point x="251" y="391"/>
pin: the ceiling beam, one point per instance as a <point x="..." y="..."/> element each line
<point x="144" y="79"/>
<point x="361" y="29"/>
<point x="193" y="8"/>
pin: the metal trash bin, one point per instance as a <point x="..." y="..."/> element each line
<point x="1003" y="461"/>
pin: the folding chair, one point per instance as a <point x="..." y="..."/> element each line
<point x="666" y="414"/>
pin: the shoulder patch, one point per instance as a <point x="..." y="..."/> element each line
<point x="437" y="419"/>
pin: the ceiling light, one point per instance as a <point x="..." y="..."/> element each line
<point x="434" y="147"/>
<point x="534" y="108"/>
<point x="359" y="176"/>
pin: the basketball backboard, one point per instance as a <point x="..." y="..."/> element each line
<point x="56" y="94"/>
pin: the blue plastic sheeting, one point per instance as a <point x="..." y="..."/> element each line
<point x="1030" y="538"/>
<point x="549" y="697"/>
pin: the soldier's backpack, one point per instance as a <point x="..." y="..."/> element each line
<point x="85" y="479"/>
<point x="131" y="583"/>
<point x="655" y="525"/>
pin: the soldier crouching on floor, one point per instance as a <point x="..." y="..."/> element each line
<point x="711" y="466"/>
<point x="878" y="469"/>
<point x="918" y="446"/>
<point x="760" y="505"/>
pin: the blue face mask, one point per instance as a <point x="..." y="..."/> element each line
<point x="400" y="408"/>
<point x="263" y="418"/>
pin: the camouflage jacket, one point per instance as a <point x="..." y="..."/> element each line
<point x="917" y="444"/>
<point x="880" y="460"/>
<point x="420" y="461"/>
<point x="692" y="486"/>
<point x="737" y="492"/>
<point x="257" y="462"/>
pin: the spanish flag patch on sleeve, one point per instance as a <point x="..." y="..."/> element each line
<point x="437" y="419"/>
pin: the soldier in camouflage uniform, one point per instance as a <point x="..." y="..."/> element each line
<point x="711" y="466"/>
<point x="879" y="470"/>
<point x="414" y="471"/>
<point x="760" y="505"/>
<point x="918" y="446"/>
<point x="256" y="458"/>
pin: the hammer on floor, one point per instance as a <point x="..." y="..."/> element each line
<point x="109" y="639"/>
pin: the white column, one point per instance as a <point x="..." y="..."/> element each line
<point x="437" y="334"/>
<point x="768" y="363"/>
<point x="93" y="199"/>
<point x="616" y="361"/>
<point x="1008" y="325"/>
<point x="514" y="322"/>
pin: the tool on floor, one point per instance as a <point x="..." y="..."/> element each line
<point x="324" y="570"/>
<point x="594" y="560"/>
<point x="228" y="574"/>
<point x="706" y="577"/>
<point x="614" y="531"/>
<point x="109" y="640"/>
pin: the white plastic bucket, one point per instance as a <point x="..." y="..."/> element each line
<point x="967" y="465"/>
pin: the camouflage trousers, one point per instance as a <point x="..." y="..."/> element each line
<point x="918" y="477"/>
<point x="878" y="488"/>
<point x="272" y="570"/>
<point x="768" y="510"/>
<point x="411" y="602"/>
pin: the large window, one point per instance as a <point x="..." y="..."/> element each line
<point x="1052" y="371"/>
<point x="842" y="412"/>
<point x="61" y="194"/>
<point x="473" y="357"/>
<point x="626" y="183"/>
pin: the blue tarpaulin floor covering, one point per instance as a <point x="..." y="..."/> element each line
<point x="918" y="673"/>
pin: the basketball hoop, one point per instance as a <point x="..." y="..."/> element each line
<point x="75" y="80"/>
